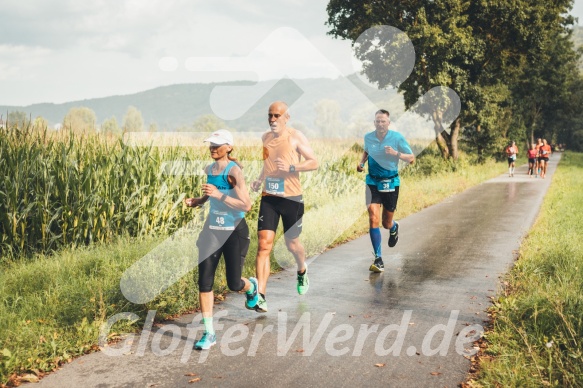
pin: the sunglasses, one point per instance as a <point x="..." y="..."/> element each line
<point x="275" y="115"/>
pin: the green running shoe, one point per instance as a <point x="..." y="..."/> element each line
<point x="261" y="306"/>
<point x="303" y="282"/>
<point x="206" y="341"/>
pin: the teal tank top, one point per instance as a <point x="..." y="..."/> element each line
<point x="222" y="216"/>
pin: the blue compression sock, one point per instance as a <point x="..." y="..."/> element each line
<point x="376" y="239"/>
<point x="394" y="226"/>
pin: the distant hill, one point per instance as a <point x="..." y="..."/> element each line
<point x="178" y="106"/>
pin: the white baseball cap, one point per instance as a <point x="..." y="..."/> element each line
<point x="221" y="136"/>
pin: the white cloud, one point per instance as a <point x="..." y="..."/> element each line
<point x="64" y="50"/>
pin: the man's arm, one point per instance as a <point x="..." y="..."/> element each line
<point x="363" y="159"/>
<point x="256" y="184"/>
<point x="310" y="161"/>
<point x="409" y="158"/>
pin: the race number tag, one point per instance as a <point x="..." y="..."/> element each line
<point x="513" y="157"/>
<point x="220" y="220"/>
<point x="386" y="185"/>
<point x="274" y="186"/>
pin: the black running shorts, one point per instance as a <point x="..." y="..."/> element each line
<point x="290" y="209"/>
<point x="388" y="200"/>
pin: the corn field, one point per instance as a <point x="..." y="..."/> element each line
<point x="65" y="189"/>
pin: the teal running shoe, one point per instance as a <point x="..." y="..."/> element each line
<point x="303" y="282"/>
<point x="252" y="298"/>
<point x="206" y="341"/>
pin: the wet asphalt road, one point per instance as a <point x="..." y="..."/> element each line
<point x="415" y="321"/>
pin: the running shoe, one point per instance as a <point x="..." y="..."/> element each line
<point x="261" y="306"/>
<point x="206" y="341"/>
<point x="377" y="266"/>
<point x="394" y="236"/>
<point x="303" y="282"/>
<point x="252" y="298"/>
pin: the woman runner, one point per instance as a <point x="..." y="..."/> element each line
<point x="225" y="231"/>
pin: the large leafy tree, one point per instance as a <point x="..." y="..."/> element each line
<point x="80" y="119"/>
<point x="132" y="120"/>
<point x="479" y="49"/>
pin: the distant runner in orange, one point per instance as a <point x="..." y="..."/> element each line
<point x="545" y="153"/>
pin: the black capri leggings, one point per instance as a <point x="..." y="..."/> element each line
<point x="234" y="251"/>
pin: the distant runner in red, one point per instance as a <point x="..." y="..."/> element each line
<point x="531" y="154"/>
<point x="539" y="144"/>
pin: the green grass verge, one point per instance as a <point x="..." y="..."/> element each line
<point x="51" y="307"/>
<point x="537" y="333"/>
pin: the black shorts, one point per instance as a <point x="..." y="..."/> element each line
<point x="290" y="209"/>
<point x="543" y="159"/>
<point x="531" y="160"/>
<point x="510" y="160"/>
<point x="388" y="199"/>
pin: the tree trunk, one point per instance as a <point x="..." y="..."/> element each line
<point x="441" y="137"/>
<point x="455" y="131"/>
<point x="442" y="144"/>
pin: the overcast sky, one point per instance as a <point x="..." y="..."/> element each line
<point x="65" y="50"/>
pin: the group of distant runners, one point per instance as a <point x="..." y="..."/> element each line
<point x="286" y="153"/>
<point x="538" y="157"/>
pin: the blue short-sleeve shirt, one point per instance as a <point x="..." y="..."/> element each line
<point x="381" y="165"/>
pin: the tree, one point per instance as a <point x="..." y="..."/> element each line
<point x="110" y="126"/>
<point x="80" y="119"/>
<point x="328" y="119"/>
<point x="153" y="128"/>
<point x="17" y="118"/>
<point x="40" y="124"/>
<point x="132" y="120"/>
<point x="208" y="123"/>
<point x="478" y="49"/>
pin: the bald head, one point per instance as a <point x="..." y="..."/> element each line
<point x="278" y="116"/>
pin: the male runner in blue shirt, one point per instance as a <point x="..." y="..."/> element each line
<point x="383" y="149"/>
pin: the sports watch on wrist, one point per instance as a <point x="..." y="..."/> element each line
<point x="292" y="168"/>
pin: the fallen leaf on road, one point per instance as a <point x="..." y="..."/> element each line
<point x="379" y="365"/>
<point x="194" y="380"/>
<point x="300" y="350"/>
<point x="190" y="374"/>
<point x="435" y="373"/>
